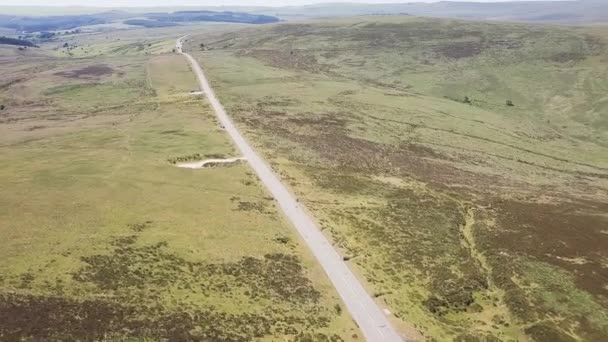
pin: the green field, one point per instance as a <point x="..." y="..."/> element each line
<point x="460" y="167"/>
<point x="103" y="238"/>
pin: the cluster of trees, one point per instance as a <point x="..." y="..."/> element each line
<point x="149" y="23"/>
<point x="15" y="41"/>
<point x="231" y="17"/>
<point x="52" y="23"/>
<point x="70" y="22"/>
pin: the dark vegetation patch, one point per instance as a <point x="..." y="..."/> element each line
<point x="290" y="59"/>
<point x="348" y="156"/>
<point x="52" y="23"/>
<point x="149" y="23"/>
<point x="425" y="233"/>
<point x="318" y="337"/>
<point x="565" y="234"/>
<point x="46" y="24"/>
<point x="35" y="128"/>
<point x="458" y="50"/>
<point x="557" y="232"/>
<point x="88" y="71"/>
<point x="230" y="17"/>
<point x="44" y="318"/>
<point x="427" y="42"/>
<point x="477" y="337"/>
<point x="196" y="156"/>
<point x="565" y="57"/>
<point x="547" y="331"/>
<point x="178" y="132"/>
<point x="356" y="155"/>
<point x="15" y="41"/>
<point x="68" y="88"/>
<point x="343" y="183"/>
<point x="185" y="158"/>
<point x="131" y="266"/>
<point x="133" y="283"/>
<point x="259" y="207"/>
<point x="220" y="164"/>
<point x="320" y="122"/>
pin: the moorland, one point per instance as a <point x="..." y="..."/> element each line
<point x="104" y="238"/>
<point x="460" y="167"/>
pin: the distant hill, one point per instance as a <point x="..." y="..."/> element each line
<point x="149" y="23"/>
<point x="227" y="16"/>
<point x="67" y="22"/>
<point x="555" y="12"/>
<point x="52" y="23"/>
<point x="562" y="12"/>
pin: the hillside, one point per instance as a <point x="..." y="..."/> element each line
<point x="461" y="167"/>
<point x="547" y="11"/>
<point x="105" y="238"/>
<point x="157" y="19"/>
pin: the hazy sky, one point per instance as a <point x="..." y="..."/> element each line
<point x="167" y="3"/>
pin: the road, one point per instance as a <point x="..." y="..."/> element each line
<point x="365" y="311"/>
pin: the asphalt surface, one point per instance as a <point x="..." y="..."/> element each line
<point x="370" y="318"/>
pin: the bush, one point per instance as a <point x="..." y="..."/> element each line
<point x="510" y="103"/>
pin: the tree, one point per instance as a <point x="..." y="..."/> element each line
<point x="510" y="103"/>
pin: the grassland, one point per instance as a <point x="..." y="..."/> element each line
<point x="103" y="238"/>
<point x="461" y="167"/>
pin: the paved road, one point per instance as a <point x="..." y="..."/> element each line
<point x="368" y="315"/>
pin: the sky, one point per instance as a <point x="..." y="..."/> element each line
<point x="169" y="3"/>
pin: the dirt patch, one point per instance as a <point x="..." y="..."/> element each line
<point x="87" y="72"/>
<point x="210" y="163"/>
